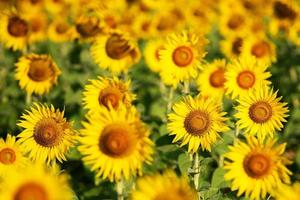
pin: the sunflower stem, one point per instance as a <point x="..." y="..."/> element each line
<point x="120" y="189"/>
<point x="170" y="98"/>
<point x="28" y="99"/>
<point x="237" y="131"/>
<point x="186" y="87"/>
<point x="196" y="170"/>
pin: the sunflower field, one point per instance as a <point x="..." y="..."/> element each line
<point x="149" y="99"/>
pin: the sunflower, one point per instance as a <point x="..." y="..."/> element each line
<point x="35" y="182"/>
<point x="11" y="154"/>
<point x="256" y="167"/>
<point x="167" y="187"/>
<point x="245" y="73"/>
<point x="260" y="47"/>
<point x="231" y="47"/>
<point x="115" y="51"/>
<point x="181" y="56"/>
<point x="211" y="80"/>
<point x="36" y="73"/>
<point x="47" y="135"/>
<point x="37" y="26"/>
<point x="288" y="192"/>
<point x="106" y="92"/>
<point x="115" y="143"/>
<point x="197" y="122"/>
<point x="261" y="112"/>
<point x="60" y="30"/>
<point x="14" y="31"/>
<point x="294" y="33"/>
<point x="151" y="54"/>
<point x="88" y="27"/>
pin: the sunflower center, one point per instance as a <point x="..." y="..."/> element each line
<point x="246" y="79"/>
<point x="110" y="96"/>
<point x="48" y="132"/>
<point x="260" y="112"/>
<point x="260" y="49"/>
<point x="40" y="70"/>
<point x="88" y="29"/>
<point x="61" y="28"/>
<point x="36" y="25"/>
<point x="17" y="27"/>
<point x="197" y="122"/>
<point x="117" y="47"/>
<point x="7" y="156"/>
<point x="183" y="56"/>
<point x="117" y="140"/>
<point x="282" y="11"/>
<point x="235" y="21"/>
<point x="236" y="46"/>
<point x="31" y="191"/>
<point x="217" y="78"/>
<point x="256" y="165"/>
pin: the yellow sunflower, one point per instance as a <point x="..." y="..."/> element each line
<point x="60" y="30"/>
<point x="231" y="47"/>
<point x="257" y="167"/>
<point x="197" y="122"/>
<point x="288" y="192"/>
<point x="115" y="51"/>
<point x="14" y="31"/>
<point x="115" y="143"/>
<point x="151" y="54"/>
<point x="88" y="27"/>
<point x="106" y="92"/>
<point x="260" y="47"/>
<point x="38" y="23"/>
<point x="36" y="73"/>
<point x="181" y="56"/>
<point x="166" y="186"/>
<point x="245" y="73"/>
<point x="35" y="182"/>
<point x="11" y="154"/>
<point x="294" y="33"/>
<point x="47" y="135"/>
<point x="211" y="80"/>
<point x="261" y="112"/>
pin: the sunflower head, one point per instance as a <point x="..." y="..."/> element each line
<point x="182" y="56"/>
<point x="261" y="112"/>
<point x="115" y="143"/>
<point x="197" y="122"/>
<point x="47" y="135"/>
<point x="288" y="192"/>
<point x="36" y="73"/>
<point x="88" y="26"/>
<point x="35" y="182"/>
<point x="256" y="167"/>
<point x="167" y="187"/>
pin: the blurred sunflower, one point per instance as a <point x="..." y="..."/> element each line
<point x="14" y="31"/>
<point x="164" y="183"/>
<point x="60" y="30"/>
<point x="261" y="112"/>
<point x="245" y="73"/>
<point x="88" y="27"/>
<point x="211" y="80"/>
<point x="106" y="92"/>
<point x="197" y="122"/>
<point x="29" y="6"/>
<point x="115" y="51"/>
<point x="11" y="154"/>
<point x="260" y="47"/>
<point x="294" y="34"/>
<point x="115" y="143"/>
<point x="38" y="23"/>
<point x="231" y="47"/>
<point x="256" y="167"/>
<point x="288" y="192"/>
<point x="181" y="56"/>
<point x="36" y="73"/>
<point x="35" y="182"/>
<point x="151" y="54"/>
<point x="47" y="135"/>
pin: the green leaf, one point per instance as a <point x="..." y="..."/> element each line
<point x="218" y="180"/>
<point x="184" y="163"/>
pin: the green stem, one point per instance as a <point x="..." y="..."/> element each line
<point x="196" y="170"/>
<point x="120" y="189"/>
<point x="28" y="99"/>
<point x="186" y="87"/>
<point x="237" y="131"/>
<point x="170" y="98"/>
